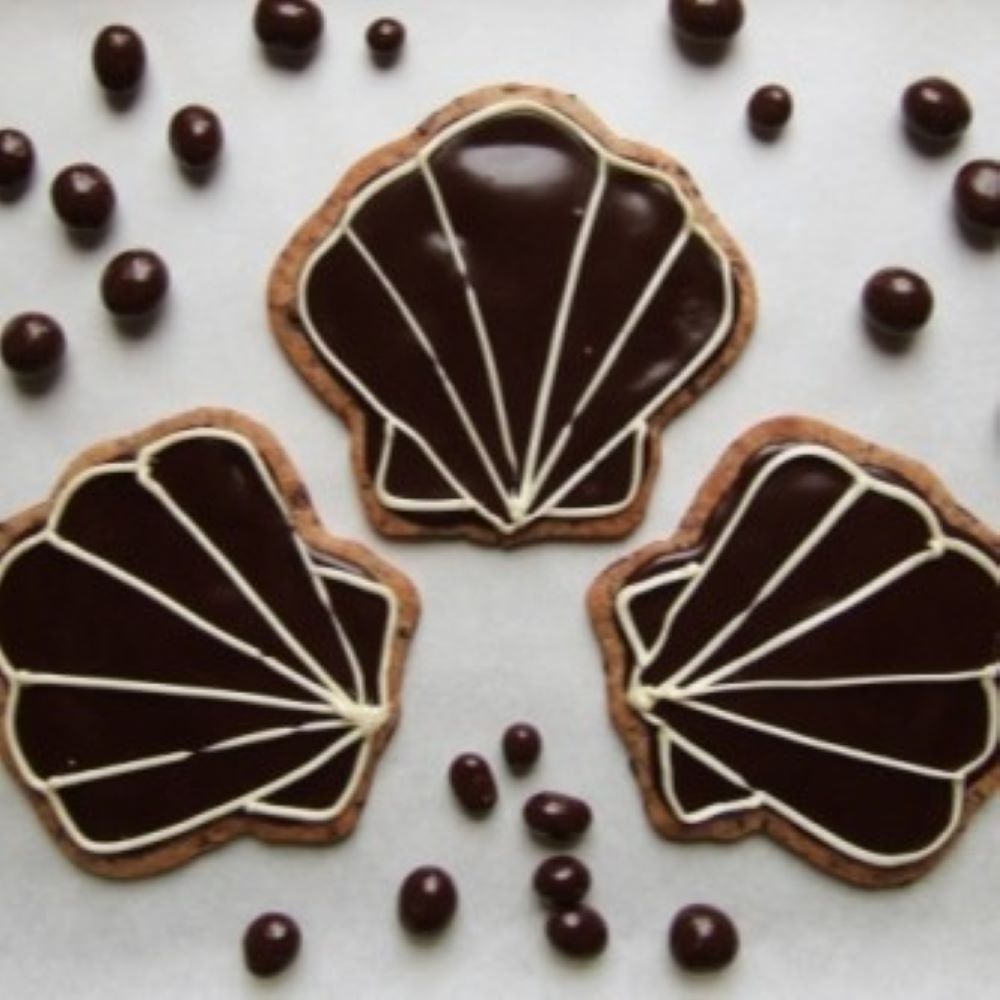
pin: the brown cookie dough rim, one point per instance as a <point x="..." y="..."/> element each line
<point x="172" y="853"/>
<point x="286" y="325"/>
<point x="635" y="735"/>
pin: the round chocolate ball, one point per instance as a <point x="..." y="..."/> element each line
<point x="290" y="26"/>
<point x="562" y="880"/>
<point x="17" y="157"/>
<point x="977" y="194"/>
<point x="134" y="283"/>
<point x="703" y="938"/>
<point x="271" y="943"/>
<point x="83" y="196"/>
<point x="427" y="900"/>
<point x="935" y="110"/>
<point x="195" y="136"/>
<point x="708" y="21"/>
<point x="385" y="36"/>
<point x="896" y="300"/>
<point x="473" y="783"/>
<point x="119" y="58"/>
<point x="32" y="343"/>
<point x="770" y="107"/>
<point x="580" y="932"/>
<point x="522" y="745"/>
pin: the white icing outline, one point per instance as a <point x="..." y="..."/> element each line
<point x="523" y="503"/>
<point x="681" y="689"/>
<point x="338" y="711"/>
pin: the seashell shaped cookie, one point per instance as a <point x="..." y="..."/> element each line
<point x="507" y="307"/>
<point x="185" y="655"/>
<point x="814" y="654"/>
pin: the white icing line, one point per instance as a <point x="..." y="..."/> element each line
<point x="519" y="512"/>
<point x="792" y="561"/>
<point x="304" y="815"/>
<point x="643" y="698"/>
<point x="667" y="737"/>
<point x="178" y="610"/>
<point x="717" y="338"/>
<point x="394" y="500"/>
<point x="581" y="246"/>
<point x="60" y="781"/>
<point x="243" y="802"/>
<point x="618" y="344"/>
<point x="466" y="421"/>
<point x="29" y="678"/>
<point x="815" y="743"/>
<point x="475" y="310"/>
<point x="635" y="482"/>
<point x="795" y="632"/>
<point x="70" y="779"/>
<point x="147" y="478"/>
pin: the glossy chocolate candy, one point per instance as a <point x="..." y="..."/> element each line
<point x="291" y="27"/>
<point x="935" y="110"/>
<point x="897" y="301"/>
<point x="271" y="943"/>
<point x="17" y="158"/>
<point x="428" y="900"/>
<point x="196" y="136"/>
<point x="702" y="938"/>
<point x="976" y="190"/>
<point x="522" y="746"/>
<point x="83" y="196"/>
<point x="134" y="283"/>
<point x="580" y="931"/>
<point x="119" y="58"/>
<point x="473" y="783"/>
<point x="32" y="344"/>
<point x="562" y="880"/>
<point x="557" y="817"/>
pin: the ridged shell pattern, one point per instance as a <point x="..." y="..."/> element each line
<point x="174" y="653"/>
<point x="511" y="308"/>
<point x="833" y="661"/>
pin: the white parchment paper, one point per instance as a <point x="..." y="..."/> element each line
<point x="504" y="635"/>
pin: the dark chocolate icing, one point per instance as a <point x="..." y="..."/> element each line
<point x="939" y="618"/>
<point x="187" y="577"/>
<point x="478" y="249"/>
<point x="17" y="158"/>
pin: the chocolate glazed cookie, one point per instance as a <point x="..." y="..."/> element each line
<point x="550" y="296"/>
<point x="813" y="654"/>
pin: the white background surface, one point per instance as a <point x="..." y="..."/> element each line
<point x="504" y="635"/>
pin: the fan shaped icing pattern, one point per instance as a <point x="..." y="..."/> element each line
<point x="514" y="307"/>
<point x="827" y="653"/>
<point x="175" y="652"/>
